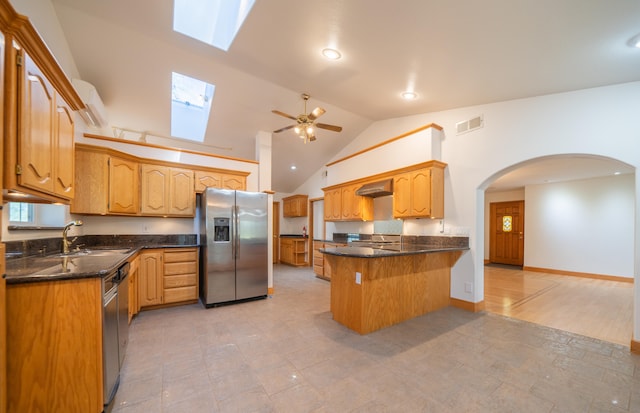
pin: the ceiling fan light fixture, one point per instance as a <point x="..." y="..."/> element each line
<point x="331" y="54"/>
<point x="409" y="95"/>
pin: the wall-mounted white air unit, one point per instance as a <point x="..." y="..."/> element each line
<point x="94" y="114"/>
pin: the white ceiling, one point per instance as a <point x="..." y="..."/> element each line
<point x="453" y="53"/>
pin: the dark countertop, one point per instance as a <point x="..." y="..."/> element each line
<point x="293" y="236"/>
<point x="54" y="267"/>
<point x="384" y="251"/>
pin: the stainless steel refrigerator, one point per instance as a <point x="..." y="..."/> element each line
<point x="234" y="242"/>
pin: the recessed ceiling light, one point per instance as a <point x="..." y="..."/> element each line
<point x="332" y="54"/>
<point x="409" y="95"/>
<point x="293" y="167"/>
<point x="616" y="173"/>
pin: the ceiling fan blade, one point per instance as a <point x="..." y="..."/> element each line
<point x="329" y="127"/>
<point x="284" y="129"/>
<point x="316" y="113"/>
<point x="277" y="112"/>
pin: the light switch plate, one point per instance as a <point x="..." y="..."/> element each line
<point x="358" y="278"/>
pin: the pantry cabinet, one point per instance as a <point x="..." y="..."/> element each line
<point x="295" y="206"/>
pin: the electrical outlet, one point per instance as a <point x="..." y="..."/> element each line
<point x="145" y="228"/>
<point x="358" y="278"/>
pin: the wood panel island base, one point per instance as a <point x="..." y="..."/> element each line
<point x="370" y="292"/>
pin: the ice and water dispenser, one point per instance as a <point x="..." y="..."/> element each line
<point x="221" y="230"/>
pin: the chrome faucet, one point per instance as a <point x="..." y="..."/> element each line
<point x="65" y="242"/>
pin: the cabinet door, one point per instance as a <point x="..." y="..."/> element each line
<point x="181" y="192"/>
<point x="402" y="196"/>
<point x="150" y="274"/>
<point x="92" y="176"/>
<point x="234" y="182"/>
<point x="36" y="133"/>
<point x="65" y="159"/>
<point x="206" y="179"/>
<point x="333" y="205"/>
<point x="421" y="193"/>
<point x="154" y="188"/>
<point x="133" y="288"/>
<point x="123" y="186"/>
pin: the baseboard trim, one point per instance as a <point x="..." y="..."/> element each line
<point x="270" y="290"/>
<point x="580" y="274"/>
<point x="467" y="305"/>
<point x="635" y="346"/>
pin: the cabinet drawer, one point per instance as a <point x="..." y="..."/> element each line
<point x="174" y="268"/>
<point x="176" y="295"/>
<point x="183" y="280"/>
<point x="318" y="269"/>
<point x="317" y="256"/>
<point x="180" y="255"/>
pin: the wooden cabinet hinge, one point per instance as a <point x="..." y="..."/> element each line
<point x="18" y="58"/>
<point x="18" y="169"/>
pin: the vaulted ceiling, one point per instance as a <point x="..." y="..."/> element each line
<point x="453" y="53"/>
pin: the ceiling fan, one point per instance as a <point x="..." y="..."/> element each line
<point x="305" y="122"/>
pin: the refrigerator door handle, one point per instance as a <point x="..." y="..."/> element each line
<point x="236" y="237"/>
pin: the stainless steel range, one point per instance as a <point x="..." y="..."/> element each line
<point x="379" y="241"/>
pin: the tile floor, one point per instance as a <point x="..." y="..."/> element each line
<point x="286" y="354"/>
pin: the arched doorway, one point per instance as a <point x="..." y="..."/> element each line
<point x="580" y="215"/>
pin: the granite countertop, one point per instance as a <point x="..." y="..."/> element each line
<point x="97" y="263"/>
<point x="387" y="251"/>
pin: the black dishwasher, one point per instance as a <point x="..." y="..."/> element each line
<point x="110" y="358"/>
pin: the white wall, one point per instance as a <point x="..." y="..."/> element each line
<point x="582" y="226"/>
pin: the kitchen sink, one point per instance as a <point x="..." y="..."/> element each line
<point x="99" y="252"/>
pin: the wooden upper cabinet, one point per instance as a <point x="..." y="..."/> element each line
<point x="182" y="196"/>
<point x="35" y="141"/>
<point x="64" y="163"/>
<point x="295" y="206"/>
<point x="355" y="207"/>
<point x="154" y="187"/>
<point x="419" y="194"/>
<point x="342" y="204"/>
<point x="167" y="191"/>
<point x="123" y="186"/>
<point x="107" y="184"/>
<point x="222" y="180"/>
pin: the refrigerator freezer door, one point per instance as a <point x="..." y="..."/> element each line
<point x="219" y="277"/>
<point x="251" y="245"/>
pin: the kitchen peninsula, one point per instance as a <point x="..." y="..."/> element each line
<point x="376" y="287"/>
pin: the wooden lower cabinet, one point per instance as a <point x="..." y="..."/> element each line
<point x="293" y="251"/>
<point x="168" y="276"/>
<point x="321" y="266"/>
<point x="54" y="342"/>
<point x="134" y="269"/>
<point x="180" y="275"/>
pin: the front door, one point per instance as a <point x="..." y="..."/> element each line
<point x="507" y="233"/>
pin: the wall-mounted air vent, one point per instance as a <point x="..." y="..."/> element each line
<point x="469" y="125"/>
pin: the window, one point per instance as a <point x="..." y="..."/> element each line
<point x="23" y="214"/>
<point x="215" y="22"/>
<point x="190" y="107"/>
<point x="20" y="213"/>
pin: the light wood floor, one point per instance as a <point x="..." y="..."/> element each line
<point x="594" y="308"/>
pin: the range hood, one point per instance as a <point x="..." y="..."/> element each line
<point x="376" y="189"/>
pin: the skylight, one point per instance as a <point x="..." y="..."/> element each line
<point x="190" y="107"/>
<point x="215" y="22"/>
